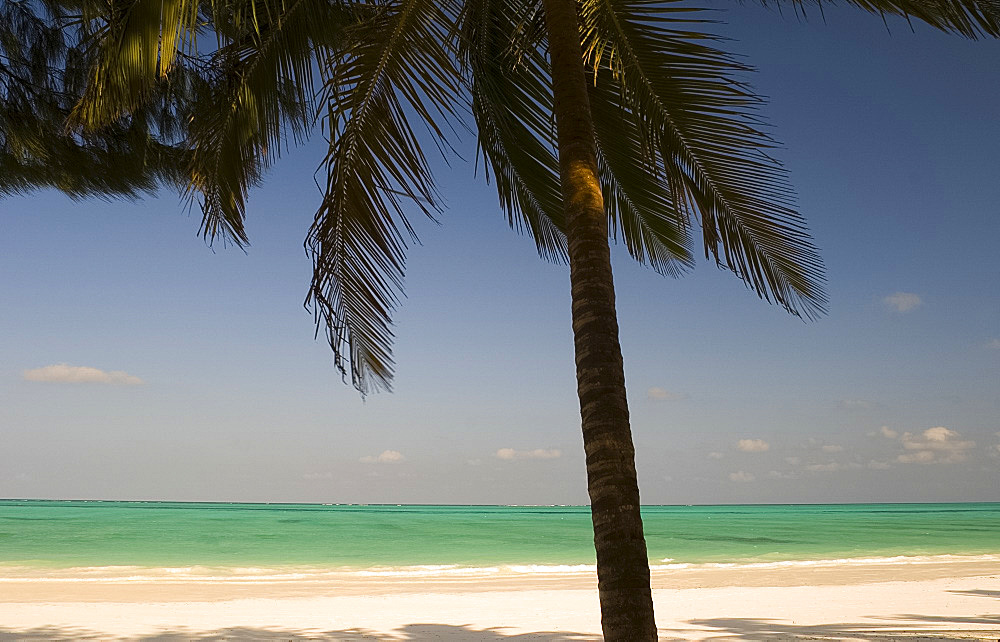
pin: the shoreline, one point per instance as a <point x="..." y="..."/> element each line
<point x="663" y="575"/>
<point x="950" y="600"/>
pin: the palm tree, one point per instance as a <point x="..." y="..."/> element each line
<point x="652" y="129"/>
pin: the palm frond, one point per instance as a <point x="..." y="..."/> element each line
<point x="700" y="130"/>
<point x="42" y="70"/>
<point x="643" y="207"/>
<point x="395" y="65"/>
<point x="137" y="43"/>
<point x="512" y="107"/>
<point x="969" y="18"/>
<point x="260" y="91"/>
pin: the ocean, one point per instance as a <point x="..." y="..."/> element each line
<point x="80" y="538"/>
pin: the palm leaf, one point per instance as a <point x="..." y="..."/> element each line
<point x="970" y="18"/>
<point x="260" y="92"/>
<point x="510" y="83"/>
<point x="396" y="65"/>
<point x="642" y="205"/>
<point x="138" y="42"/>
<point x="42" y="75"/>
<point x="512" y="107"/>
<point x="699" y="129"/>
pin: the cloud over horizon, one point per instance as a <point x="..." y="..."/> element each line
<point x="65" y="373"/>
<point x="385" y="457"/>
<point x="831" y="467"/>
<point x="538" y="453"/>
<point x="856" y="404"/>
<point x="661" y="394"/>
<point x="934" y="445"/>
<point x="753" y="445"/>
<point x="903" y="301"/>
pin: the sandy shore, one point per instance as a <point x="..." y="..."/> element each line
<point x="933" y="601"/>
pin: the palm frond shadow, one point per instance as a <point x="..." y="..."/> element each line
<point x="416" y="631"/>
<point x="978" y="593"/>
<point x="981" y="619"/>
<point x="762" y="629"/>
<point x="902" y="627"/>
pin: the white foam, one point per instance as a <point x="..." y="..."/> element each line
<point x="253" y="574"/>
<point x="843" y="561"/>
<point x="560" y="568"/>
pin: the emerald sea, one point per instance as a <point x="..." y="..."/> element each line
<point x="49" y="536"/>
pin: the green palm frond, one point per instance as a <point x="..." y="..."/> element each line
<point x="698" y="128"/>
<point x="642" y="205"/>
<point x="122" y="162"/>
<point x="970" y="18"/>
<point x="260" y="91"/>
<point x="138" y="43"/>
<point x="396" y="65"/>
<point x="43" y="69"/>
<point x="512" y="107"/>
<point x="510" y="82"/>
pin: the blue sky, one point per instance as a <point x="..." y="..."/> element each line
<point x="890" y="139"/>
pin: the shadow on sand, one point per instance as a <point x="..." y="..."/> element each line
<point x="977" y="593"/>
<point x="716" y="629"/>
<point x="413" y="632"/>
<point x="902" y="627"/>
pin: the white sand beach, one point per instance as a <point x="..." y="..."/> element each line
<point x="953" y="600"/>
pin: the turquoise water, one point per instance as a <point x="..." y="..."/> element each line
<point x="67" y="534"/>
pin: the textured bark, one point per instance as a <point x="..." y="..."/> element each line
<point x="622" y="563"/>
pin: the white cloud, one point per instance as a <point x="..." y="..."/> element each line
<point x="903" y="301"/>
<point x="939" y="434"/>
<point x="879" y="465"/>
<point x="660" y="394"/>
<point x="317" y="476"/>
<point x="538" y="453"/>
<point x="934" y="445"/>
<point x="831" y="467"/>
<point x="777" y="474"/>
<point x="856" y="404"/>
<point x="832" y="448"/>
<point x="794" y="461"/>
<point x="753" y="445"/>
<point x="888" y="432"/>
<point x="715" y="455"/>
<point x="385" y="457"/>
<point x="741" y="477"/>
<point x="918" y="457"/>
<point x="65" y="373"/>
<point x="994" y="344"/>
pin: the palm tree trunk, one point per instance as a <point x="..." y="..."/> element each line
<point x="622" y="564"/>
